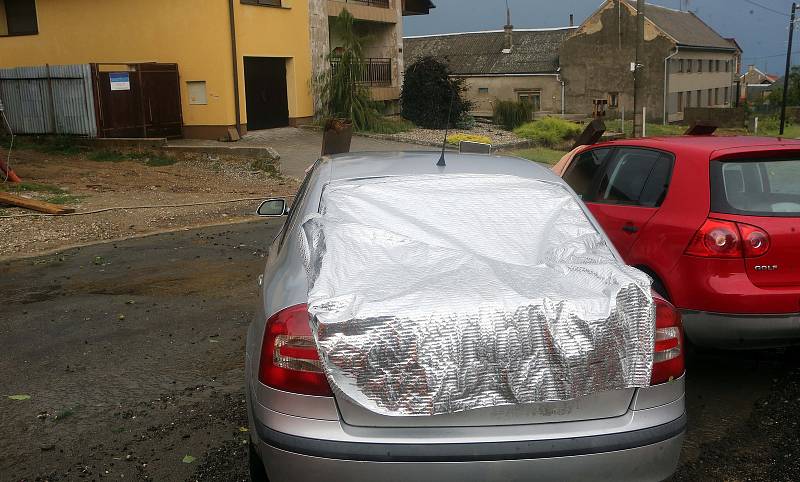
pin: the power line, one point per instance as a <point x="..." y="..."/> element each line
<point x="769" y="56"/>
<point x="769" y="9"/>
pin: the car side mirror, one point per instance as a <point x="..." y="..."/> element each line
<point x="273" y="208"/>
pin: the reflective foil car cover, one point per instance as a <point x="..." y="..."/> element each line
<point x="436" y="294"/>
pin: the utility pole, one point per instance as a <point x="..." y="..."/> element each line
<point x="788" y="68"/>
<point x="638" y="119"/>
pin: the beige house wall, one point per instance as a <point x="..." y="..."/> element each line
<point x="694" y="80"/>
<point x="680" y="83"/>
<point x="508" y="87"/>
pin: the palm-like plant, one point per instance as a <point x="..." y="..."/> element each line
<point x="341" y="89"/>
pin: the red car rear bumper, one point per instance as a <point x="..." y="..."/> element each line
<point x="720" y="330"/>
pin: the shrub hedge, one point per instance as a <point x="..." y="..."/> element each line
<point x="549" y="131"/>
<point x="510" y="114"/>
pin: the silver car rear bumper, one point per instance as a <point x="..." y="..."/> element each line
<point x="652" y="462"/>
<point x="725" y="330"/>
<point x="640" y="445"/>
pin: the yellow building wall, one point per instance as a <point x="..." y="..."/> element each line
<point x="195" y="34"/>
<point x="279" y="32"/>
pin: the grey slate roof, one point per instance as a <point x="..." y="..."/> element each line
<point x="534" y="52"/>
<point x="685" y="27"/>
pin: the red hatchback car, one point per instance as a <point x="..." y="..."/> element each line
<point x="714" y="220"/>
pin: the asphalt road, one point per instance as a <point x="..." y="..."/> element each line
<point x="132" y="356"/>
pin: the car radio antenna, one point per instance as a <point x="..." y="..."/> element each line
<point x="441" y="162"/>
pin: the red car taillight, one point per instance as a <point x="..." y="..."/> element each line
<point x="726" y="239"/>
<point x="755" y="241"/>
<point x="289" y="357"/>
<point x="668" y="353"/>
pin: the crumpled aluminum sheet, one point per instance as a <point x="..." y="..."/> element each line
<point x="438" y="294"/>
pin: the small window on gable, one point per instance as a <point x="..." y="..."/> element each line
<point x="18" y="17"/>
<point x="483" y="90"/>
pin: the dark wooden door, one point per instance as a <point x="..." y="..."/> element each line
<point x="161" y="100"/>
<point x="265" y="92"/>
<point x="144" y="101"/>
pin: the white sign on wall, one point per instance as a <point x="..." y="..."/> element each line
<point x="120" y="80"/>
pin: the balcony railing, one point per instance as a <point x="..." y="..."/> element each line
<point x="368" y="3"/>
<point x="375" y="72"/>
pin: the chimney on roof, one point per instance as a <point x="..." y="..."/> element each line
<point x="571" y="20"/>
<point x="751" y="68"/>
<point x="509" y="30"/>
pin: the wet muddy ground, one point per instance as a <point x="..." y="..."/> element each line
<point x="125" y="361"/>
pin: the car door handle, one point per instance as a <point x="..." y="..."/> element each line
<point x="630" y="228"/>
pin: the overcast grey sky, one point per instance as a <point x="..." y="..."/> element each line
<point x="762" y="33"/>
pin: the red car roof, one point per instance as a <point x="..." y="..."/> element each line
<point x="721" y="145"/>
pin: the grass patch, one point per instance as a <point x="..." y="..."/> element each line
<point x="107" y="156"/>
<point x="148" y="158"/>
<point x="31" y="187"/>
<point x="51" y="194"/>
<point x="542" y="155"/>
<point x="64" y="199"/>
<point x="64" y="145"/>
<point x="266" y="166"/>
<point x="549" y="131"/>
<point x="153" y="159"/>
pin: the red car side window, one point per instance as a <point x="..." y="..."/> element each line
<point x="584" y="168"/>
<point x="638" y="177"/>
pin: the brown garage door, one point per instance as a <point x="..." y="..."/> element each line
<point x="138" y="100"/>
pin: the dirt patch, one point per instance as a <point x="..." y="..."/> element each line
<point x="90" y="180"/>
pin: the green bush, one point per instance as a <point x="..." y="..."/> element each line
<point x="549" y="131"/>
<point x="430" y="94"/>
<point x="509" y="114"/>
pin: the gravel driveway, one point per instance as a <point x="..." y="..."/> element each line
<point x="299" y="148"/>
<point x="131" y="354"/>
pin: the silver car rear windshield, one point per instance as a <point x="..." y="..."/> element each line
<point x="756" y="188"/>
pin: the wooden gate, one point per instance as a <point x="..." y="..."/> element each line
<point x="137" y="100"/>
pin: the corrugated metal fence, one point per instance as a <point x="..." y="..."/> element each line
<point x="54" y="99"/>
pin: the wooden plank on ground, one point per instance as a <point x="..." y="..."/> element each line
<point x="33" y="204"/>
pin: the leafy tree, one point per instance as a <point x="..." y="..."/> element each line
<point x="429" y="92"/>
<point x="776" y="96"/>
<point x="341" y="90"/>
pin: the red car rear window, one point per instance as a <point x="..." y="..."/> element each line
<point x="758" y="188"/>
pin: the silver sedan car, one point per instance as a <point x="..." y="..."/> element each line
<point x="301" y="431"/>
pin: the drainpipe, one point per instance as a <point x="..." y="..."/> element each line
<point x="563" y="92"/>
<point x="666" y="80"/>
<point x="235" y="58"/>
